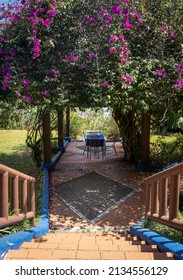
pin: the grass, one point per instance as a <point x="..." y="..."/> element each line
<point x="166" y="139"/>
<point x="164" y="230"/>
<point x="15" y="154"/>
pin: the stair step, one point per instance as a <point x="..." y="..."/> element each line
<point x="72" y="245"/>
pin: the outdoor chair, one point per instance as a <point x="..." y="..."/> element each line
<point x="112" y="144"/>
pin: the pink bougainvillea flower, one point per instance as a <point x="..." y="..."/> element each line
<point x="112" y="50"/>
<point x="73" y="57"/>
<point x="103" y="12"/>
<point x="106" y="84"/>
<point x="163" y="27"/>
<point x="91" y="55"/>
<point x="36" y="48"/>
<point x="128" y="25"/>
<point x="8" y="76"/>
<point x="44" y="92"/>
<point x="116" y="9"/>
<point x="33" y="20"/>
<point x="126" y="79"/>
<point x="57" y="72"/>
<point x="179" y="84"/>
<point x="161" y="73"/>
<point x="81" y="66"/>
<point x="172" y="34"/>
<point x="47" y="22"/>
<point x="121" y="38"/>
<point x="180" y="67"/>
<point x="52" y="13"/>
<point x="108" y="20"/>
<point x="26" y="84"/>
<point x="113" y="38"/>
<point x="5" y="85"/>
<point x="87" y="18"/>
<point x="18" y="94"/>
<point x="124" y="1"/>
<point x="27" y="98"/>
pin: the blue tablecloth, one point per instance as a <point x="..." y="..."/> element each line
<point x="95" y="140"/>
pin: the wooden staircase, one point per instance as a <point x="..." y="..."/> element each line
<point x="87" y="246"/>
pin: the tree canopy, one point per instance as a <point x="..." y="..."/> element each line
<point x="122" y="54"/>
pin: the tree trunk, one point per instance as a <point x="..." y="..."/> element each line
<point x="145" y="139"/>
<point x="46" y="138"/>
<point x="129" y="128"/>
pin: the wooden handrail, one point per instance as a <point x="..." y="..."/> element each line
<point x="162" y="197"/>
<point x="17" y="197"/>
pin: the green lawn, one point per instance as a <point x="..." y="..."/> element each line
<point x="13" y="150"/>
<point x="15" y="154"/>
<point x="167" y="139"/>
<point x="11" y="140"/>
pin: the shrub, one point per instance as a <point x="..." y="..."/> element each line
<point x="163" y="153"/>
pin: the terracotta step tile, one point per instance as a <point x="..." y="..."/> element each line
<point x="63" y="255"/>
<point x="137" y="256"/>
<point x="84" y="245"/>
<point x="112" y="255"/>
<point x="29" y="245"/>
<point x="68" y="246"/>
<point x="50" y="239"/>
<point x="129" y="247"/>
<point x="39" y="254"/>
<point x="88" y="255"/>
<point x="48" y="245"/>
<point x="121" y="242"/>
<point x="107" y="246"/>
<point x="17" y="254"/>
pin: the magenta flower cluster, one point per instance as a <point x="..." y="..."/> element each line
<point x="36" y="48"/>
<point x="161" y="73"/>
<point x="126" y="79"/>
<point x="72" y="57"/>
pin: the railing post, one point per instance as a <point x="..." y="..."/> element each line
<point x="154" y="199"/>
<point x="15" y="196"/>
<point x="24" y="196"/>
<point x="1" y="195"/>
<point x="4" y="193"/>
<point x="163" y="197"/>
<point x="174" y="196"/>
<point x="32" y="201"/>
<point x="148" y="199"/>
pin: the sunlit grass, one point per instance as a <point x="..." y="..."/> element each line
<point x="167" y="139"/>
<point x="15" y="154"/>
<point x="12" y="140"/>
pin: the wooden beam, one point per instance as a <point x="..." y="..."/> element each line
<point x="46" y="139"/>
<point x="67" y="122"/>
<point x="60" y="127"/>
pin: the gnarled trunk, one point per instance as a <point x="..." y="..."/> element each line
<point x="129" y="128"/>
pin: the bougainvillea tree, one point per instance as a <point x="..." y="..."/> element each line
<point x="131" y="57"/>
<point x="123" y="54"/>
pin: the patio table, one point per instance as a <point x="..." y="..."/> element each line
<point x="94" y="142"/>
